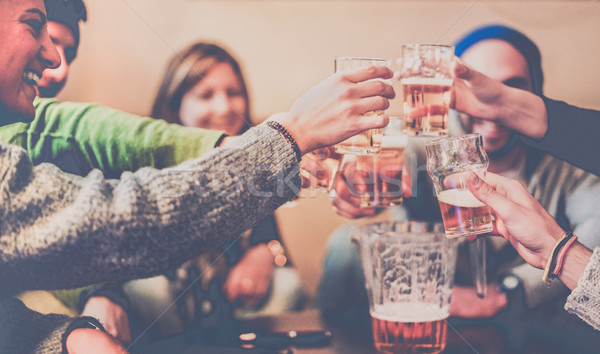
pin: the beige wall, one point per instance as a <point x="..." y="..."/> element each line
<point x="287" y="46"/>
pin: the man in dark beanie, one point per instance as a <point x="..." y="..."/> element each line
<point x="63" y="26"/>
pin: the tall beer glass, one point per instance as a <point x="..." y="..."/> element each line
<point x="426" y="88"/>
<point x="377" y="179"/>
<point x="448" y="161"/>
<point x="409" y="272"/>
<point x="369" y="141"/>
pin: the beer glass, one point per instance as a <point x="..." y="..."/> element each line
<point x="324" y="165"/>
<point x="377" y="179"/>
<point x="369" y="141"/>
<point x="448" y="161"/>
<point x="426" y="88"/>
<point x="409" y="273"/>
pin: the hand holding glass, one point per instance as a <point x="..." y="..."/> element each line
<point x="448" y="161"/>
<point x="369" y="141"/>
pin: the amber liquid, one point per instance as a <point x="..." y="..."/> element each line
<point x="409" y="337"/>
<point x="328" y="169"/>
<point x="367" y="142"/>
<point x="381" y="178"/>
<point x="426" y="103"/>
<point x="463" y="214"/>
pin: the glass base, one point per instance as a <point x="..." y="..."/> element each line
<point x="358" y="150"/>
<point x="468" y="232"/>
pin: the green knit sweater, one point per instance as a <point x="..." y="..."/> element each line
<point x="79" y="137"/>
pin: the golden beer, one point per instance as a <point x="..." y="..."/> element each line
<point x="426" y="104"/>
<point x="367" y="142"/>
<point x="377" y="179"/>
<point x="409" y="328"/>
<point x="328" y="168"/>
<point x="463" y="214"/>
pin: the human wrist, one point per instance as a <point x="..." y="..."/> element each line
<point x="524" y="112"/>
<point x="296" y="130"/>
<point x="574" y="265"/>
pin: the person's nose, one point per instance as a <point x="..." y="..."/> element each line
<point x="48" y="53"/>
<point x="222" y="105"/>
<point x="60" y="73"/>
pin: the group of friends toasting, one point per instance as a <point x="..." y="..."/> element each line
<point x="140" y="210"/>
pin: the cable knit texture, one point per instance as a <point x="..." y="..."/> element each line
<point x="584" y="301"/>
<point x="62" y="231"/>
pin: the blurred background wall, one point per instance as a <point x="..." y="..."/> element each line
<point x="285" y="47"/>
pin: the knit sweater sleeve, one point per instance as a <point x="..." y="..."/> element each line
<point x="60" y="231"/>
<point x="79" y="137"/>
<point x="584" y="301"/>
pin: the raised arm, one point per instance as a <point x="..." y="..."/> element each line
<point x="61" y="231"/>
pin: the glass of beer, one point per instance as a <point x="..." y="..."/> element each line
<point x="369" y="141"/>
<point x="409" y="273"/>
<point x="320" y="167"/>
<point x="426" y="88"/>
<point x="448" y="161"/>
<point x="377" y="179"/>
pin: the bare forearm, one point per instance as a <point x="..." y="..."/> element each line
<point x="524" y="112"/>
<point x="575" y="262"/>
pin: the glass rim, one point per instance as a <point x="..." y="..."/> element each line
<point x="453" y="138"/>
<point x="363" y="58"/>
<point x="434" y="45"/>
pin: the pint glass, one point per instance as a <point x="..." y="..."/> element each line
<point x="377" y="179"/>
<point x="426" y="88"/>
<point x="409" y="272"/>
<point x="369" y="141"/>
<point x="448" y="161"/>
<point x="324" y="163"/>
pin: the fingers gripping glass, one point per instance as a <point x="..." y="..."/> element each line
<point x="448" y="162"/>
<point x="369" y="141"/>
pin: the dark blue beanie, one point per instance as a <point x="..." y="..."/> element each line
<point x="67" y="12"/>
<point x="518" y="40"/>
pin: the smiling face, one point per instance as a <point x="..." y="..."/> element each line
<point x="26" y="51"/>
<point x="53" y="80"/>
<point x="501" y="61"/>
<point x="215" y="102"/>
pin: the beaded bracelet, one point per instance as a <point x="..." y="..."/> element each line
<point x="556" y="256"/>
<point x="281" y="129"/>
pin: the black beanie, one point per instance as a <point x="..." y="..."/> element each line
<point x="67" y="12"/>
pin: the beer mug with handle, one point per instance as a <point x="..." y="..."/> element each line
<point x="448" y="161"/>
<point x="409" y="273"/>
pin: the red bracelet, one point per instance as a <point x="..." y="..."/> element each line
<point x="556" y="256"/>
<point x="561" y="256"/>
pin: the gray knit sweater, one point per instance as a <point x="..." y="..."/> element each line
<point x="61" y="231"/>
<point x="584" y="301"/>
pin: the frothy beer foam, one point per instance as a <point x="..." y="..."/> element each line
<point x="437" y="81"/>
<point x="459" y="197"/>
<point x="409" y="312"/>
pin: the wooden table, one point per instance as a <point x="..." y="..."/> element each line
<point x="499" y="336"/>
